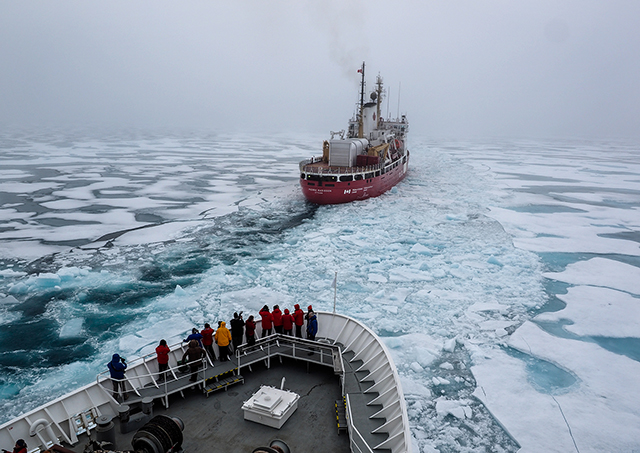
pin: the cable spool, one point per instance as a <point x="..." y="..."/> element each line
<point x="276" y="446"/>
<point x="160" y="435"/>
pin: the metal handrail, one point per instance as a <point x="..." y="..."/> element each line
<point x="153" y="377"/>
<point x="304" y="167"/>
<point x="263" y="348"/>
<point x="354" y="434"/>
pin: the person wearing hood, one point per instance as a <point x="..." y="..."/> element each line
<point x="162" y="351"/>
<point x="287" y="322"/>
<point x="312" y="324"/>
<point x="207" y="340"/>
<point x="193" y="356"/>
<point x="298" y="318"/>
<point x="266" y="321"/>
<point x="223" y="338"/>
<point x="117" y="367"/>
<point x="20" y="447"/>
<point x="276" y="315"/>
<point x="251" y="331"/>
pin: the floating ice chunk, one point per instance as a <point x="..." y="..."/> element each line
<point x="179" y="291"/>
<point x="493" y="260"/>
<point x="425" y="357"/>
<point x="461" y="272"/>
<point x="488" y="307"/>
<point x="390" y="308"/>
<point x="496" y="324"/>
<point x="19" y="288"/>
<point x="415" y="366"/>
<point x="438" y="273"/>
<point x="421" y="249"/>
<point x="72" y="328"/>
<point x="501" y="333"/>
<point x="47" y="280"/>
<point x="414" y="388"/>
<point x="409" y="275"/>
<point x="458" y="409"/>
<point x="440" y="381"/>
<point x="377" y="278"/>
<point x="7" y="300"/>
<point x="446" y="366"/>
<point x="449" y="345"/>
<point x="11" y="273"/>
<point x="68" y="273"/>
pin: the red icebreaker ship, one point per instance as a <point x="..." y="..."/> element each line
<point x="370" y="160"/>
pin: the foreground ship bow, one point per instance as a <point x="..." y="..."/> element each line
<point x="370" y="160"/>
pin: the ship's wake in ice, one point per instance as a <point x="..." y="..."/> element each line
<point x="500" y="277"/>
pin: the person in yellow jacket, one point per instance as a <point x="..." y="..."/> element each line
<point x="223" y="338"/>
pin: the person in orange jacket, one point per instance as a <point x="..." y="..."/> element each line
<point x="223" y="338"/>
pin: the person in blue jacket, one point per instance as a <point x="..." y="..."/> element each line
<point x="117" y="366"/>
<point x="312" y="324"/>
<point x="195" y="335"/>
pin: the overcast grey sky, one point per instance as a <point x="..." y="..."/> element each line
<point x="466" y="68"/>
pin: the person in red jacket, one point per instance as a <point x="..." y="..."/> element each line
<point x="250" y="331"/>
<point x="276" y="315"/>
<point x="298" y="318"/>
<point x="266" y="321"/>
<point x="207" y="340"/>
<point x="287" y="322"/>
<point x="21" y="447"/>
<point x="163" y="359"/>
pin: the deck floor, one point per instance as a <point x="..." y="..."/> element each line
<point x="216" y="422"/>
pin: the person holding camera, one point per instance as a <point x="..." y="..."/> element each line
<point x="237" y="330"/>
<point x="117" y="367"/>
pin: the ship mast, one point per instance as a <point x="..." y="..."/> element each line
<point x="360" y="113"/>
<point x="379" y="99"/>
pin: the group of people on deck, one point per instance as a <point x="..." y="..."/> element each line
<point x="200" y="343"/>
<point x="284" y="323"/>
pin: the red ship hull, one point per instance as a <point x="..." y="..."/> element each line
<point x="335" y="192"/>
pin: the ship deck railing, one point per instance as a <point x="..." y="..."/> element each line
<point x="316" y="166"/>
<point x="358" y="444"/>
<point x="278" y="346"/>
<point x="143" y="381"/>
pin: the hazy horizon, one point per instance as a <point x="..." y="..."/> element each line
<point x="545" y="69"/>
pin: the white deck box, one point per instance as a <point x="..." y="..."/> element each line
<point x="270" y="406"/>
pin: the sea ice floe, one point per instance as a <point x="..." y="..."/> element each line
<point x="595" y="311"/>
<point x="459" y="409"/>
<point x="420" y="249"/>
<point x="601" y="272"/>
<point x="377" y="278"/>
